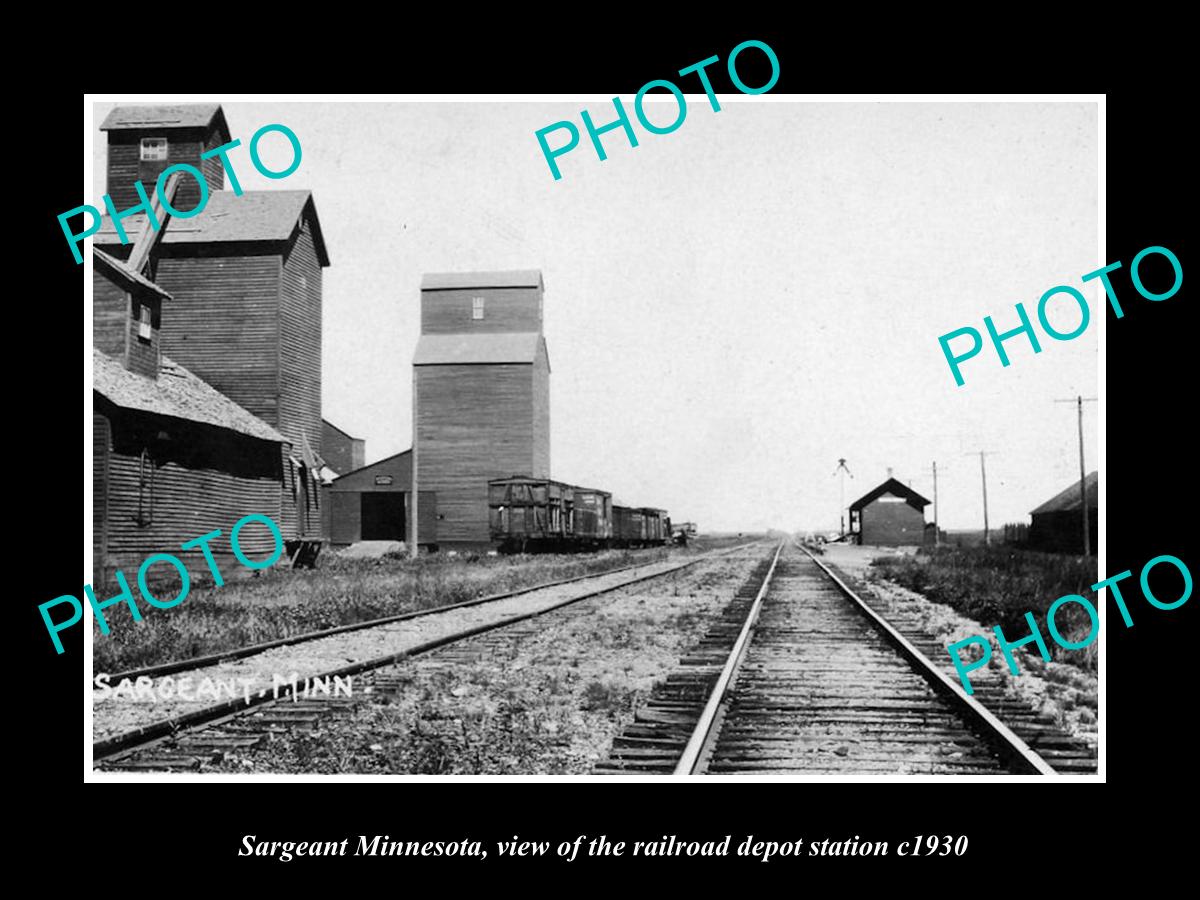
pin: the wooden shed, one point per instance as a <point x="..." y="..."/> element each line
<point x="341" y="452"/>
<point x="1057" y="525"/>
<point x="246" y="277"/>
<point x="481" y="395"/>
<point x="374" y="503"/>
<point x="892" y="515"/>
<point x="172" y="457"/>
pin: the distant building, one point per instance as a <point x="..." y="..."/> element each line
<point x="341" y="452"/>
<point x="374" y="503"/>
<point x="481" y="395"/>
<point x="892" y="515"/>
<point x="1057" y="524"/>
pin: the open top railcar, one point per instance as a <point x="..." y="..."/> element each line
<point x="537" y="514"/>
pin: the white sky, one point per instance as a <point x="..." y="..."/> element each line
<point x="732" y="307"/>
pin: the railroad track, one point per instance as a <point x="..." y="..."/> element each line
<point x="184" y="742"/>
<point x="800" y="675"/>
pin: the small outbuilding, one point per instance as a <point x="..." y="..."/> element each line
<point x="373" y="504"/>
<point x="1058" y="524"/>
<point x="892" y="515"/>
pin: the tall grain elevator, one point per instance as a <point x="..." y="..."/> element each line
<point x="481" y="397"/>
<point x="245" y="274"/>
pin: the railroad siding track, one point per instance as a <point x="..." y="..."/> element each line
<point x="187" y="748"/>
<point x="653" y="742"/>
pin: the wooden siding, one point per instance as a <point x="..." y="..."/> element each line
<point x="341" y="452"/>
<point x="397" y="468"/>
<point x="223" y="324"/>
<point x="197" y="480"/>
<point x="891" y="523"/>
<point x="143" y="354"/>
<point x="300" y="342"/>
<point x="110" y="315"/>
<point x="100" y="455"/>
<point x="184" y="145"/>
<point x="473" y="423"/>
<point x="505" y="309"/>
<point x="541" y="414"/>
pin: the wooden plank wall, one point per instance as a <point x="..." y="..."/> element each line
<point x="202" y="479"/>
<point x="541" y="414"/>
<point x="300" y="353"/>
<point x="184" y="145"/>
<point x="100" y="478"/>
<point x="473" y="423"/>
<point x="110" y="315"/>
<point x="505" y="309"/>
<point x="223" y="324"/>
<point x="143" y="354"/>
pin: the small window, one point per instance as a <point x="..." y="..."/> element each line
<point x="154" y="149"/>
<point x="144" y="326"/>
<point x="476" y="307"/>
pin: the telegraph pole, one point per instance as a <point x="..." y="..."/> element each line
<point x="843" y="471"/>
<point x="987" y="536"/>
<point x="1083" y="504"/>
<point x="937" y="537"/>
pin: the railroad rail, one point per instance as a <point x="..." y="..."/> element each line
<point x="214" y="659"/>
<point x="801" y="675"/>
<point x="269" y="710"/>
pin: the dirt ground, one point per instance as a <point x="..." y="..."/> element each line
<point x="549" y="701"/>
<point x="1063" y="691"/>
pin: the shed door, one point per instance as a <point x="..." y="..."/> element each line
<point x="383" y="516"/>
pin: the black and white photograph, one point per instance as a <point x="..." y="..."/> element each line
<point x="537" y="437"/>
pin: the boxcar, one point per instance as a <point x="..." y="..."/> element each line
<point x="536" y="514"/>
<point x="658" y="525"/>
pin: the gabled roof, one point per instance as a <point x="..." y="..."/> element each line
<point x="176" y="393"/>
<point x="344" y="434"/>
<point x="126" y="274"/>
<point x="892" y="486"/>
<point x="175" y="115"/>
<point x="254" y="216"/>
<point x="485" y="347"/>
<point x="448" y="281"/>
<point x="1068" y="500"/>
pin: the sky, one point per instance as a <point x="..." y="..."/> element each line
<point x="732" y="307"/>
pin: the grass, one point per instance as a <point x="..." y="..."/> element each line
<point x="285" y="602"/>
<point x="998" y="585"/>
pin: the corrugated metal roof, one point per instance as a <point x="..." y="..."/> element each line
<point x="254" y="216"/>
<point x="127" y="273"/>
<point x="176" y="115"/>
<point x="892" y="486"/>
<point x="466" y="349"/>
<point x="177" y="393"/>
<point x="445" y="281"/>
<point x="1067" y="500"/>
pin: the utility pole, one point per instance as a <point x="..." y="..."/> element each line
<point x="937" y="536"/>
<point x="1083" y="504"/>
<point x="843" y="471"/>
<point x="987" y="536"/>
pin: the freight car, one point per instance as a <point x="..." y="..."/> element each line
<point x="537" y="514"/>
<point x="640" y="526"/>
